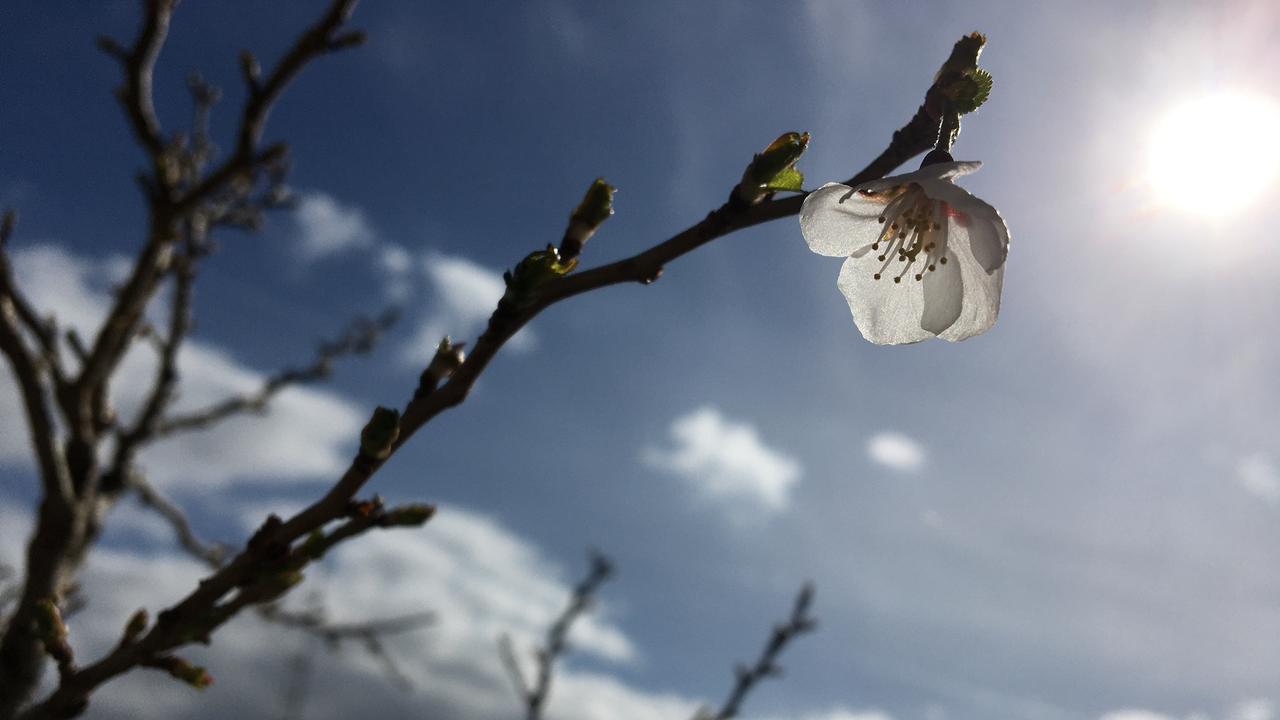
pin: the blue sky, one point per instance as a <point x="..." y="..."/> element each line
<point x="1072" y="516"/>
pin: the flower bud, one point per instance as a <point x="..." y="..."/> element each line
<point x="380" y="434"/>
<point x="595" y="208"/>
<point x="411" y="515"/>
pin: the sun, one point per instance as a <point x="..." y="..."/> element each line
<point x="1216" y="153"/>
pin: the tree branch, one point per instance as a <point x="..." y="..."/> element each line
<point x="361" y="336"/>
<point x="766" y="665"/>
<point x="211" y="554"/>
<point x="534" y="696"/>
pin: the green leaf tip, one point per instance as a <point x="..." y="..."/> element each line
<point x="536" y="269"/>
<point x="960" y="80"/>
<point x="596" y="205"/>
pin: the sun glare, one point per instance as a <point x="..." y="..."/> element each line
<point x="1216" y="153"/>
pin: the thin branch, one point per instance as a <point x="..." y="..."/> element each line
<point x="766" y="665"/>
<point x="360" y="338"/>
<point x="370" y="633"/>
<point x="139" y="66"/>
<point x="211" y="554"/>
<point x="534" y="697"/>
<point x="320" y="39"/>
<point x="44" y="330"/>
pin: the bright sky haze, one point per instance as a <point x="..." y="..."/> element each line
<point x="1075" y="516"/>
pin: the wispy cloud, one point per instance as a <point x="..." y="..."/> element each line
<point x="327" y="227"/>
<point x="895" y="451"/>
<point x="464" y="295"/>
<point x="1258" y="474"/>
<point x="1251" y="709"/>
<point x="726" y="460"/>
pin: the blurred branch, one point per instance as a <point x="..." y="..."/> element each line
<point x="534" y="696"/>
<point x="211" y="554"/>
<point x="766" y="665"/>
<point x="370" y="634"/>
<point x="361" y="336"/>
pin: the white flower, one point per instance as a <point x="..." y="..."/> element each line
<point x="926" y="258"/>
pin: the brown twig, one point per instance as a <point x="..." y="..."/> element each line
<point x="360" y="338"/>
<point x="534" y="696"/>
<point x="766" y="665"/>
<point x="211" y="554"/>
<point x="369" y="633"/>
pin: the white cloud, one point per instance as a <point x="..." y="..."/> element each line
<point x="326" y="227"/>
<point x="1251" y="709"/>
<point x="1257" y="473"/>
<point x="1254" y="709"/>
<point x="305" y="433"/>
<point x="479" y="578"/>
<point x="726" y="460"/>
<point x="465" y="294"/>
<point x="895" y="451"/>
<point x="844" y="714"/>
<point x="396" y="263"/>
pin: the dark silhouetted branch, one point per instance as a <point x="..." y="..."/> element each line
<point x="534" y="696"/>
<point x="766" y="665"/>
<point x="359" y="339"/>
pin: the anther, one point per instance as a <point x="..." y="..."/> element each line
<point x="942" y="260"/>
<point x="897" y="279"/>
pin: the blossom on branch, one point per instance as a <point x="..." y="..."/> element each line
<point x="925" y="257"/>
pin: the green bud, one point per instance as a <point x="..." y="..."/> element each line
<point x="969" y="91"/>
<point x="964" y="56"/>
<point x="595" y="208"/>
<point x="596" y="205"/>
<point x="960" y="80"/>
<point x="380" y="434"/>
<point x="193" y="675"/>
<point x="779" y="157"/>
<point x="411" y="515"/>
<point x="535" y="270"/>
<point x="774" y="168"/>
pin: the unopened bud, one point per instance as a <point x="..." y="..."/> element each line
<point x="135" y="627"/>
<point x="533" y="271"/>
<point x="380" y="434"/>
<point x="411" y="515"/>
<point x="774" y="168"/>
<point x="595" y="208"/>
<point x="53" y="631"/>
<point x="193" y="675"/>
<point x="448" y="358"/>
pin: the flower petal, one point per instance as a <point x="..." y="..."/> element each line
<point x="976" y="225"/>
<point x="927" y="174"/>
<point x="943" y="296"/>
<point x="886" y="313"/>
<point x="837" y="221"/>
<point x="981" y="303"/>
